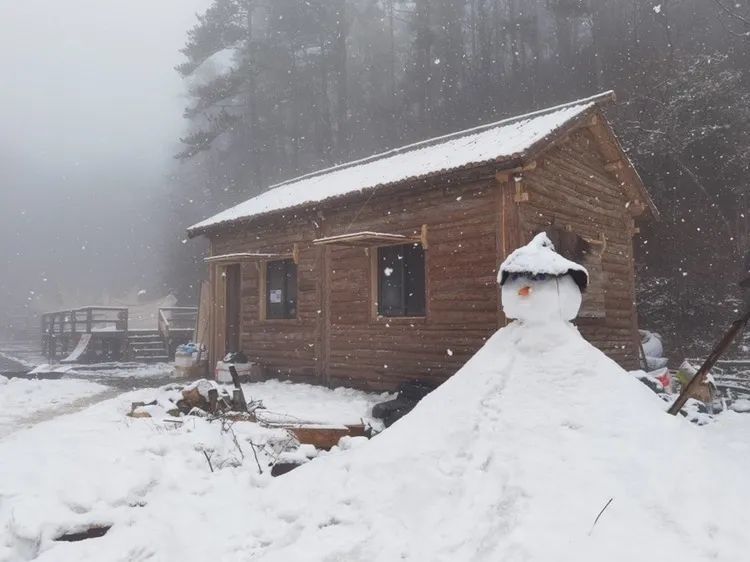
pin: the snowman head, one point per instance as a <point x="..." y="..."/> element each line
<point x="539" y="285"/>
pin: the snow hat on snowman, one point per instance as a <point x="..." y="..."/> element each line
<point x="539" y="285"/>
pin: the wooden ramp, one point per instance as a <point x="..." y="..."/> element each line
<point x="79" y="351"/>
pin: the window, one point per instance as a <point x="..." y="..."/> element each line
<point x="401" y="280"/>
<point x="587" y="252"/>
<point x="281" y="289"/>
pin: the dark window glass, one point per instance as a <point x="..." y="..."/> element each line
<point x="281" y="289"/>
<point x="401" y="280"/>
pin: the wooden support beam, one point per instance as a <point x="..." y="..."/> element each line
<point x="423" y="237"/>
<point x="502" y="175"/>
<point x="601" y="242"/>
<point x="701" y="377"/>
<point x="521" y="195"/>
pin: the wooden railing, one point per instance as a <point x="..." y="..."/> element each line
<point x="85" y="320"/>
<point x="62" y="330"/>
<point x="177" y="324"/>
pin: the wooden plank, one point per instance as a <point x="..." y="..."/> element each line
<point x="202" y="327"/>
<point x="244" y="256"/>
<point x="365" y="239"/>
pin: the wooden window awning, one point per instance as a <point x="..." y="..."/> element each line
<point x="368" y="238"/>
<point x="239" y="257"/>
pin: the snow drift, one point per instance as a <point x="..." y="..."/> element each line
<point x="513" y="459"/>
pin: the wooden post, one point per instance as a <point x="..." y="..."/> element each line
<point x="89" y="320"/>
<point x="701" y="376"/>
<point x="508" y="229"/>
<point x="213" y="400"/>
<point x="238" y="396"/>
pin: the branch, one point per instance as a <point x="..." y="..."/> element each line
<point x="260" y="470"/>
<point x="208" y="459"/>
<point x="699" y="184"/>
<point x="606" y="505"/>
<point x="731" y="13"/>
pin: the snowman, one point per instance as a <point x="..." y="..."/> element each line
<point x="539" y="286"/>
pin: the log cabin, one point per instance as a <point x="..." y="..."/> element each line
<point x="383" y="270"/>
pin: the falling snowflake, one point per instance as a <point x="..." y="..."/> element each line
<point x="388" y="271"/>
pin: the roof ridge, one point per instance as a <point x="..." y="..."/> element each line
<point x="603" y="97"/>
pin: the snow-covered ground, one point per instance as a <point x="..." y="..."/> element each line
<point x="24" y="402"/>
<point x="24" y="352"/>
<point x="313" y="404"/>
<point x="114" y="371"/>
<point x="540" y="448"/>
<point x="512" y="459"/>
<point x="99" y="467"/>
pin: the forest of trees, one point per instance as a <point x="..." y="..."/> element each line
<point x="282" y="87"/>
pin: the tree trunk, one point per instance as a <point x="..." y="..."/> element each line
<point x="342" y="96"/>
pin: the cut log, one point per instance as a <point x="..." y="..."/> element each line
<point x="325" y="437"/>
<point x="194" y="399"/>
<point x="213" y="400"/>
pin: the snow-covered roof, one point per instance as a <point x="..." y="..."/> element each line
<point x="499" y="142"/>
<point x="539" y="257"/>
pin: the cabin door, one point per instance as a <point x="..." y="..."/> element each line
<point x="233" y="306"/>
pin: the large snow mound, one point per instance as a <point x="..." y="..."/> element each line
<point x="512" y="459"/>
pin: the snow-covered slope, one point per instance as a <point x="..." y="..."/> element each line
<point x="539" y="449"/>
<point x="512" y="459"/>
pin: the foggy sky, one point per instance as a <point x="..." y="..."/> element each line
<point x="90" y="111"/>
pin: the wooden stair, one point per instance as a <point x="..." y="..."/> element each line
<point x="147" y="347"/>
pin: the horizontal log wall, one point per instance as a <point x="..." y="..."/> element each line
<point x="342" y="343"/>
<point x="337" y="340"/>
<point x="462" y="296"/>
<point x="570" y="187"/>
<point x="284" y="347"/>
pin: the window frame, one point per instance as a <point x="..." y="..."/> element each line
<point x="375" y="287"/>
<point x="265" y="295"/>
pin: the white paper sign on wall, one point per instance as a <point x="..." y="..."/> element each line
<point x="275" y="296"/>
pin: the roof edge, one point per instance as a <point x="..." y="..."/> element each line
<point x="598" y="100"/>
<point x="603" y="98"/>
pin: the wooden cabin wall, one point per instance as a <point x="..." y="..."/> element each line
<point x="336" y="339"/>
<point x="462" y="297"/>
<point x="570" y="187"/>
<point x="284" y="347"/>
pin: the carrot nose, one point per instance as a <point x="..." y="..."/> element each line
<point x="524" y="291"/>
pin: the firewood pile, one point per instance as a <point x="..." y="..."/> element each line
<point x="207" y="399"/>
<point x="202" y="398"/>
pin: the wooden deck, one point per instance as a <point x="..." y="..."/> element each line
<point x="109" y="336"/>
